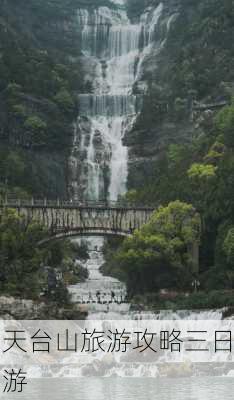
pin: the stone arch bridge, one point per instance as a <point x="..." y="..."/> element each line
<point x="66" y="219"/>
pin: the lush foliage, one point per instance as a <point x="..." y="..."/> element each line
<point x="159" y="254"/>
<point x="28" y="270"/>
<point x="196" y="62"/>
<point x="200" y="173"/>
<point x="20" y="260"/>
<point x="39" y="79"/>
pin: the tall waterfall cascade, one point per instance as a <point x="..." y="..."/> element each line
<point x="113" y="53"/>
<point x="113" y="49"/>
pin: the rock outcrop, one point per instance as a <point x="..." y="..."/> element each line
<point x="20" y="309"/>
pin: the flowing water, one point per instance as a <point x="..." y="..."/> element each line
<point x="115" y="49"/>
<point x="128" y="389"/>
<point x="106" y="298"/>
<point x="103" y="297"/>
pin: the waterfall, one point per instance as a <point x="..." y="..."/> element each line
<point x="112" y="52"/>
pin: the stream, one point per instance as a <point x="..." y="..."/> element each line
<point x="104" y="298"/>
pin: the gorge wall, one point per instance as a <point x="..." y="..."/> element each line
<point x="105" y="84"/>
<point x="194" y="66"/>
<point x="39" y="74"/>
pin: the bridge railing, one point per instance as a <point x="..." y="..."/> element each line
<point x="14" y="202"/>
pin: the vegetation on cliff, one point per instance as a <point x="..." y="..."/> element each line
<point x="28" y="270"/>
<point x="158" y="255"/>
<point x="192" y="161"/>
<point x="195" y="62"/>
<point x="39" y="79"/>
<point x="200" y="173"/>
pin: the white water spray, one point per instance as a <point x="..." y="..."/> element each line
<point x="113" y="45"/>
<point x="114" y="50"/>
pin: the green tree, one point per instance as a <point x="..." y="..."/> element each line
<point x="65" y="101"/>
<point x="35" y="124"/>
<point x="36" y="130"/>
<point x="158" y="255"/>
<point x="202" y="171"/>
<point x="14" y="167"/>
<point x="20" y="258"/>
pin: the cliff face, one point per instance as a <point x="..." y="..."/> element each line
<point x="43" y="67"/>
<point x="39" y="77"/>
<point x="153" y="130"/>
<point x="194" y="64"/>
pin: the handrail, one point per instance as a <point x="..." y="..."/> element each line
<point x="47" y="203"/>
